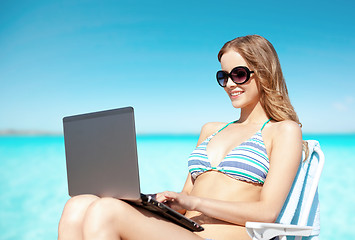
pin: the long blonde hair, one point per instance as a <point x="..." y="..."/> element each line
<point x="262" y="58"/>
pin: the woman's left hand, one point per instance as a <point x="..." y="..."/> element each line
<point x="181" y="200"/>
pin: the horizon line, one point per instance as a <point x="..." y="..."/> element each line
<point x="14" y="132"/>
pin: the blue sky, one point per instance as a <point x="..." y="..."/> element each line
<point x="60" y="58"/>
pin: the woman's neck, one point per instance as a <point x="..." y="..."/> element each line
<point x="253" y="114"/>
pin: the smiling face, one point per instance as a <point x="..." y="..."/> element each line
<point x="245" y="95"/>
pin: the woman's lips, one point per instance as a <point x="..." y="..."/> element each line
<point x="235" y="94"/>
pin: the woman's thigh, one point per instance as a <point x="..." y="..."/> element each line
<point x="131" y="222"/>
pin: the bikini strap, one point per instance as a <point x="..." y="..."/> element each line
<point x="226" y="126"/>
<point x="265" y="124"/>
<point x="237" y="120"/>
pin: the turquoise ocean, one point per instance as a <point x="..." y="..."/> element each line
<point x="33" y="184"/>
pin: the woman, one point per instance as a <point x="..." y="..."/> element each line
<point x="244" y="174"/>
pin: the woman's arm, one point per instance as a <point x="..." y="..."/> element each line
<point x="285" y="158"/>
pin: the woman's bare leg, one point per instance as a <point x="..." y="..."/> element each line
<point x="70" y="224"/>
<point x="113" y="219"/>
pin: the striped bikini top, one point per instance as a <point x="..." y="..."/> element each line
<point x="247" y="162"/>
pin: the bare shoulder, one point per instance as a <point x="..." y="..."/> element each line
<point x="286" y="128"/>
<point x="286" y="137"/>
<point x="208" y="129"/>
<point x="212" y="126"/>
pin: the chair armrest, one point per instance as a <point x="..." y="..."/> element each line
<point x="265" y="231"/>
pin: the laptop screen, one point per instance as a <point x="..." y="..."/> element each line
<point x="101" y="154"/>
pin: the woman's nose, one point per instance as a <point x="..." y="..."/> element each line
<point x="230" y="83"/>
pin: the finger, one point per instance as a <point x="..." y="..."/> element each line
<point x="170" y="195"/>
<point x="160" y="197"/>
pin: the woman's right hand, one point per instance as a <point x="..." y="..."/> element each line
<point x="161" y="197"/>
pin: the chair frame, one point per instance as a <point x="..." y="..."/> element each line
<point x="265" y="231"/>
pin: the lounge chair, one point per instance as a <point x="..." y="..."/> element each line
<point x="299" y="216"/>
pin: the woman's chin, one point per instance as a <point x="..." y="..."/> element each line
<point x="237" y="104"/>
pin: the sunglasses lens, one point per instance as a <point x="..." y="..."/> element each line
<point x="222" y="78"/>
<point x="239" y="75"/>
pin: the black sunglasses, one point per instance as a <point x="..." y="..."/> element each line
<point x="239" y="75"/>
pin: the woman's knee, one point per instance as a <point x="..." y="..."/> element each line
<point x="75" y="209"/>
<point x="106" y="213"/>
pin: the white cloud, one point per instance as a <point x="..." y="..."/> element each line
<point x="341" y="107"/>
<point x="345" y="105"/>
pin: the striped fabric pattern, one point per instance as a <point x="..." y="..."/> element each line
<point x="247" y="162"/>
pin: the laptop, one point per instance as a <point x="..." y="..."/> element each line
<point x="101" y="158"/>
